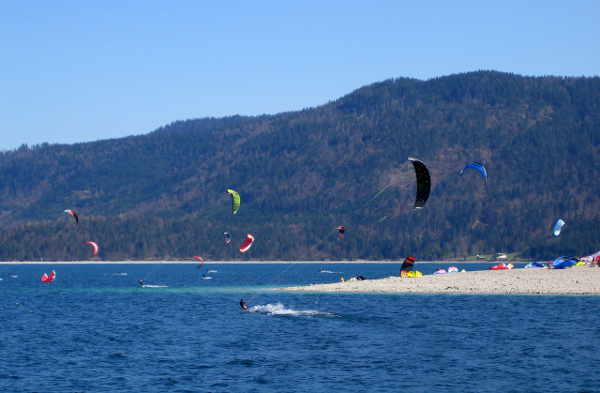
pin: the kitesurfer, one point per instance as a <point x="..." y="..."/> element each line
<point x="341" y="231"/>
<point x="244" y="305"/>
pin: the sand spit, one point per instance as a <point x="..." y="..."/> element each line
<point x="580" y="280"/>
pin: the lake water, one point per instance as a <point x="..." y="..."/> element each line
<point x="95" y="330"/>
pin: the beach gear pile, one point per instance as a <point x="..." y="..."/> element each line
<point x="451" y="269"/>
<point x="534" y="265"/>
<point x="502" y="266"/>
<point x="566" y="262"/>
<point x="563" y="262"/>
<point x="592" y="258"/>
<point x="411" y="274"/>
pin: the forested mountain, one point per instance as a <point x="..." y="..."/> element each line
<point x="300" y="174"/>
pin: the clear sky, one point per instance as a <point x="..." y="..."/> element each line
<point x="73" y="71"/>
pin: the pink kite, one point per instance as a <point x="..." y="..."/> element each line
<point x="73" y="214"/>
<point x="247" y="243"/>
<point x="48" y="278"/>
<point x="94" y="246"/>
<point x="200" y="260"/>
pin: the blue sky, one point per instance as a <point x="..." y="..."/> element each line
<point x="71" y="72"/>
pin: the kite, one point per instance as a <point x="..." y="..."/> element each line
<point x="94" y="246"/>
<point x="423" y="182"/>
<point x="248" y="241"/>
<point x="235" y="200"/>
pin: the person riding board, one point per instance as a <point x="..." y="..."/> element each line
<point x="244" y="306"/>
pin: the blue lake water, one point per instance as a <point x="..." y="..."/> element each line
<point x="95" y="330"/>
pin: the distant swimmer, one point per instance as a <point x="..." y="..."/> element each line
<point x="244" y="306"/>
<point x="141" y="282"/>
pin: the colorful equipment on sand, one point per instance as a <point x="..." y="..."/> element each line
<point x="595" y="257"/>
<point x="563" y="262"/>
<point x="534" y="265"/>
<point x="411" y="274"/>
<point x="502" y="266"/>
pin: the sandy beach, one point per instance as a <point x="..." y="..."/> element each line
<point x="578" y="280"/>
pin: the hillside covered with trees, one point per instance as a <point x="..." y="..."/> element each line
<point x="300" y="174"/>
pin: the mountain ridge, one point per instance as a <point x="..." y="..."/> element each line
<point x="307" y="171"/>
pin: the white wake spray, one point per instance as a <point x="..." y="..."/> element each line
<point x="280" y="309"/>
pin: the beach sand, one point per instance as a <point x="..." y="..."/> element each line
<point x="576" y="280"/>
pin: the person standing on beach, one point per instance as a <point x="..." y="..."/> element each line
<point x="407" y="265"/>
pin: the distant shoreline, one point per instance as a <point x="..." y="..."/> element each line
<point x="183" y="262"/>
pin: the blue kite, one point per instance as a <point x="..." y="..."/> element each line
<point x="478" y="167"/>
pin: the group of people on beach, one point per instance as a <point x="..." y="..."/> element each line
<point x="406" y="267"/>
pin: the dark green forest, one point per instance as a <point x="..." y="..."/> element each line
<point x="301" y="174"/>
